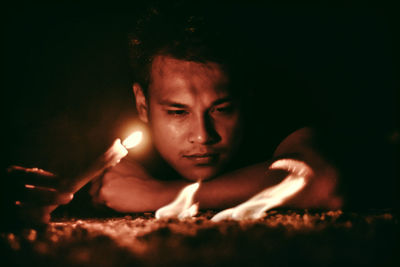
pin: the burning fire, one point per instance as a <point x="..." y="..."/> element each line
<point x="255" y="207"/>
<point x="133" y="140"/>
<point x="119" y="150"/>
<point x="109" y="159"/>
<point x="182" y="207"/>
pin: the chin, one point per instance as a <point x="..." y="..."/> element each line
<point x="200" y="174"/>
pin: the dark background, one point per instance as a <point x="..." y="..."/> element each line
<point x="66" y="91"/>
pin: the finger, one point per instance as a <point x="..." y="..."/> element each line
<point x="42" y="195"/>
<point x="34" y="214"/>
<point x="95" y="186"/>
<point x="30" y="170"/>
<point x="20" y="175"/>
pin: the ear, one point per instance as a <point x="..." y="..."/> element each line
<point x="141" y="103"/>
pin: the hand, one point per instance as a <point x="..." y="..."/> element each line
<point x="127" y="187"/>
<point x="29" y="195"/>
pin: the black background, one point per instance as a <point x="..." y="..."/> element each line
<point x="66" y="91"/>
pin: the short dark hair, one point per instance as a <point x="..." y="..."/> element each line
<point x="183" y="32"/>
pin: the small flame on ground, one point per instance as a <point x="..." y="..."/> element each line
<point x="133" y="140"/>
<point x="182" y="207"/>
<point x="255" y="207"/>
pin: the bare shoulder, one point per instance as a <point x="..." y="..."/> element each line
<point x="297" y="142"/>
<point x="302" y="144"/>
<point x="322" y="189"/>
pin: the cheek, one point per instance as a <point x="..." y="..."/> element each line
<point x="229" y="129"/>
<point x="167" y="134"/>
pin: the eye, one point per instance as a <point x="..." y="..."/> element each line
<point x="225" y="109"/>
<point x="177" y="112"/>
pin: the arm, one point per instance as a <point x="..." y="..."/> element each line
<point x="129" y="188"/>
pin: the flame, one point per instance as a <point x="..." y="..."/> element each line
<point x="133" y="140"/>
<point x="255" y="207"/>
<point x="182" y="207"/>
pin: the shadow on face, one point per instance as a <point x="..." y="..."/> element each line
<point x="194" y="120"/>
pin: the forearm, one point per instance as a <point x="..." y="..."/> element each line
<point x="126" y="194"/>
<point x="129" y="194"/>
<point x="233" y="188"/>
<point x="131" y="189"/>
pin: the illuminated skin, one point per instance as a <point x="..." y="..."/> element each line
<point x="195" y="127"/>
<point x="194" y="121"/>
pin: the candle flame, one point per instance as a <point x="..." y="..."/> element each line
<point x="255" y="207"/>
<point x="182" y="207"/>
<point x="133" y="140"/>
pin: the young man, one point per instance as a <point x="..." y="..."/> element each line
<point x="192" y="92"/>
<point x="196" y="124"/>
<point x="192" y="88"/>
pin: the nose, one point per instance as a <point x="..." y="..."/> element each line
<point x="202" y="131"/>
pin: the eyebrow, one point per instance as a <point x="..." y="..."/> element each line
<point x="222" y="100"/>
<point x="180" y="105"/>
<point x="173" y="104"/>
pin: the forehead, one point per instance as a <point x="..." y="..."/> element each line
<point x="176" y="78"/>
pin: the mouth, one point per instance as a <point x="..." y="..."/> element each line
<point x="202" y="159"/>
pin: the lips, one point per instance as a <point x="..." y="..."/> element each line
<point x="202" y="158"/>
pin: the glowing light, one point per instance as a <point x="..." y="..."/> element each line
<point x="109" y="159"/>
<point x="255" y="207"/>
<point x="133" y="140"/>
<point x="114" y="154"/>
<point x="182" y="207"/>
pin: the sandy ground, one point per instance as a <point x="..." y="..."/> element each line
<point x="283" y="237"/>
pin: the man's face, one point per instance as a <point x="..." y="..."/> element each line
<point x="195" y="122"/>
